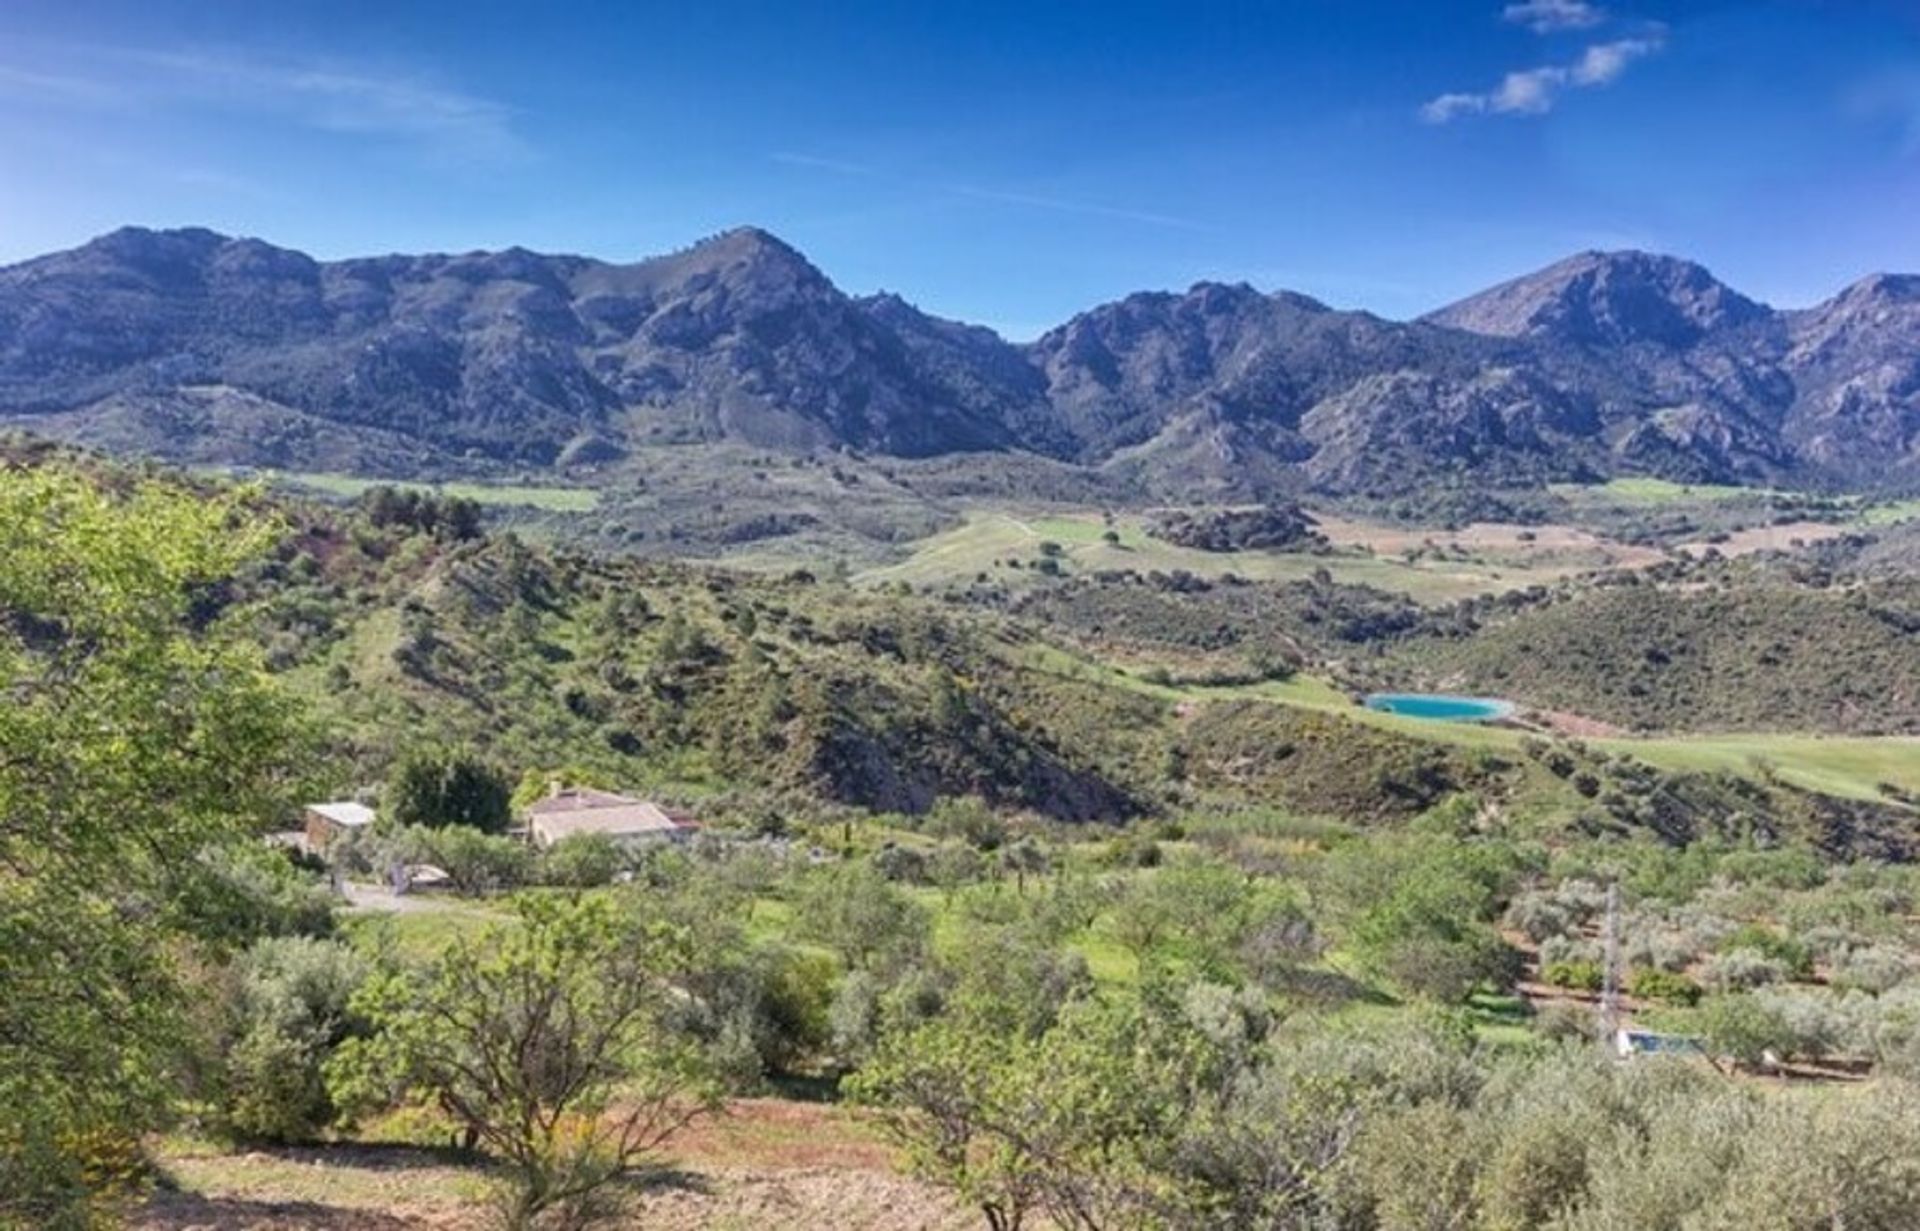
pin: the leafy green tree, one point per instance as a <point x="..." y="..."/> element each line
<point x="137" y="736"/>
<point x="1740" y="1026"/>
<point x="476" y="862"/>
<point x="546" y="1041"/>
<point x="583" y="861"/>
<point x="1419" y="912"/>
<point x="438" y="789"/>
<point x="852" y="910"/>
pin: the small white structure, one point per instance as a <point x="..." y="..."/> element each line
<point x="326" y="824"/>
<point x="582" y="810"/>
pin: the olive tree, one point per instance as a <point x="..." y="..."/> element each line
<point x="545" y="1040"/>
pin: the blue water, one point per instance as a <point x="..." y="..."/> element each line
<point x="1439" y="707"/>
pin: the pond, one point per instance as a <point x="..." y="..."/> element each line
<point x="1440" y="707"/>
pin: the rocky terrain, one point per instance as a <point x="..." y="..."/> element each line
<point x="195" y="347"/>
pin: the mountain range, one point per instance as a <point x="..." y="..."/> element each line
<point x="196" y="347"/>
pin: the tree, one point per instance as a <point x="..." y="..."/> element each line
<point x="477" y="862"/>
<point x="852" y="910"/>
<point x="1024" y="858"/>
<point x="583" y="861"/>
<point x="439" y="789"/>
<point x="138" y="735"/>
<point x="1739" y="1026"/>
<point x="287" y="1014"/>
<point x="545" y="1040"/>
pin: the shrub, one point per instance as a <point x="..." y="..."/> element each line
<point x="582" y="861"/>
<point x="1652" y="983"/>
<point x="1561" y="1019"/>
<point x="1739" y="969"/>
<point x="1557" y="949"/>
<point x="1579" y="976"/>
<point x="1740" y="1026"/>
<point x="476" y="862"/>
<point x="289" y="1011"/>
<point x="1875" y="969"/>
<point x="1792" y="956"/>
<point x="901" y="864"/>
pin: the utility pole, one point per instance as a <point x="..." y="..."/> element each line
<point x="1610" y="981"/>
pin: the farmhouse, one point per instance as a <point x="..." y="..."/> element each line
<point x="582" y="810"/>
<point x="327" y="823"/>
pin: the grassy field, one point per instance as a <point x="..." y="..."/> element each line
<point x="1643" y="493"/>
<point x="988" y="541"/>
<point x="347" y="487"/>
<point x="1651" y="493"/>
<point x="1851" y="767"/>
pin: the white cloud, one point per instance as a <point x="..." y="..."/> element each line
<point x="999" y="196"/>
<point x="1534" y="91"/>
<point x="1891" y="100"/>
<point x="326" y="96"/>
<point x="1551" y="16"/>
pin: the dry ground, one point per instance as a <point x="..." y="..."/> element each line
<point x="769" y="1163"/>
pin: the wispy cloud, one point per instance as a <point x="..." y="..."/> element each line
<point x="1534" y="91"/>
<point x="1000" y="196"/>
<point x="57" y="87"/>
<point x="1552" y="16"/>
<point x="1891" y="100"/>
<point x="322" y="95"/>
<point x="828" y="164"/>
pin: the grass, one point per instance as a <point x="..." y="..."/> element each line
<point x="1851" y="767"/>
<point x="987" y="540"/>
<point x="419" y="936"/>
<point x="500" y="495"/>
<point x="1644" y="493"/>
<point x="1890" y="513"/>
<point x="1651" y="493"/>
<point x="1847" y="766"/>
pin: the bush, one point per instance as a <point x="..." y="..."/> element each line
<point x="1560" y="1019"/>
<point x="1579" y="976"/>
<point x="901" y="864"/>
<point x="1793" y="957"/>
<point x="1740" y="969"/>
<point x="1875" y="969"/>
<point x="1740" y="1026"/>
<point x="582" y="861"/>
<point x="288" y="1012"/>
<point x="1557" y="949"/>
<point x="475" y="862"/>
<point x="1652" y="983"/>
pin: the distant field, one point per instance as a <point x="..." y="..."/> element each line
<point x="1654" y="492"/>
<point x="1852" y="767"/>
<point x="1891" y="512"/>
<point x="1641" y="493"/>
<point x="988" y="541"/>
<point x="552" y="499"/>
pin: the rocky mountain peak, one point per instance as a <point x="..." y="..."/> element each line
<point x="1607" y="299"/>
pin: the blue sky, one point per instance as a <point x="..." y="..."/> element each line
<point x="998" y="162"/>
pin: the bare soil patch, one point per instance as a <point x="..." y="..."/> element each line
<point x="767" y="1163"/>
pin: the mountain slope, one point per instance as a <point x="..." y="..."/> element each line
<point x="1607" y="299"/>
<point x="197" y="347"/>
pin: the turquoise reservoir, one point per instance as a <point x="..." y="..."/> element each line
<point x="1439" y="707"/>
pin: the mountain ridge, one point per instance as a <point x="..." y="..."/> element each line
<point x="1599" y="364"/>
